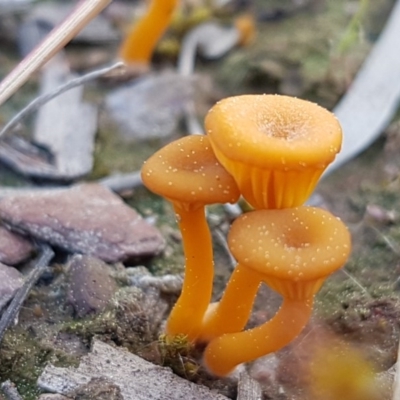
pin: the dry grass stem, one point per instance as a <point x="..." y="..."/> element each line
<point x="85" y="11"/>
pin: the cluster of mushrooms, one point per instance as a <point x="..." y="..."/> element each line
<point x="271" y="150"/>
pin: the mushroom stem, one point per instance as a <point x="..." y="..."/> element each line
<point x="189" y="310"/>
<point x="144" y="35"/>
<point x="224" y="353"/>
<point x="232" y="312"/>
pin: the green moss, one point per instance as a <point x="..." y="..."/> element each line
<point x="22" y="359"/>
<point x="125" y="322"/>
<point x="179" y="354"/>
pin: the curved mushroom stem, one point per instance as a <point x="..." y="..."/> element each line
<point x="224" y="353"/>
<point x="232" y="312"/>
<point x="144" y="35"/>
<point x="189" y="310"/>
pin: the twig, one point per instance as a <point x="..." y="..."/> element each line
<point x="41" y="100"/>
<point x="84" y="12"/>
<point x="388" y="242"/>
<point x="10" y="391"/>
<point x="121" y="182"/>
<point x="355" y="281"/>
<point x="22" y="293"/>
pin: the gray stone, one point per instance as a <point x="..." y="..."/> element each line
<point x="87" y="218"/>
<point x="90" y="285"/>
<point x="152" y="106"/>
<point x="13" y="248"/>
<point x="10" y="281"/>
<point x="137" y="379"/>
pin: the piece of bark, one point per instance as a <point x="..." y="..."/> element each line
<point x="137" y="379"/>
<point x="66" y="126"/>
<point x="248" y="388"/>
<point x="87" y="219"/>
<point x="13" y="248"/>
<point x="10" y="281"/>
<point x="27" y="159"/>
<point x="90" y="285"/>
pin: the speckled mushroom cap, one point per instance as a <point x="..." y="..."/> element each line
<point x="275" y="146"/>
<point x="186" y="171"/>
<point x="303" y="244"/>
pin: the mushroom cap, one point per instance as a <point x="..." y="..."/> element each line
<point x="274" y="131"/>
<point x="187" y="171"/>
<point x="298" y="244"/>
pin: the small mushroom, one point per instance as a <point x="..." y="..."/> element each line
<point x="138" y="46"/>
<point x="294" y="250"/>
<point x="276" y="147"/>
<point x="187" y="173"/>
<point x="245" y="24"/>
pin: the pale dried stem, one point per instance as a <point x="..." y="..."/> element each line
<point x="43" y="99"/>
<point x="84" y="12"/>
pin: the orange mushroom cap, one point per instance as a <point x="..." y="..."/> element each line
<point x="187" y="173"/>
<point x="276" y="147"/>
<point x="295" y="249"/>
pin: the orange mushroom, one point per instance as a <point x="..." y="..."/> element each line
<point x="245" y="24"/>
<point x="139" y="44"/>
<point x="187" y="173"/>
<point x="294" y="250"/>
<point x="276" y="147"/>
